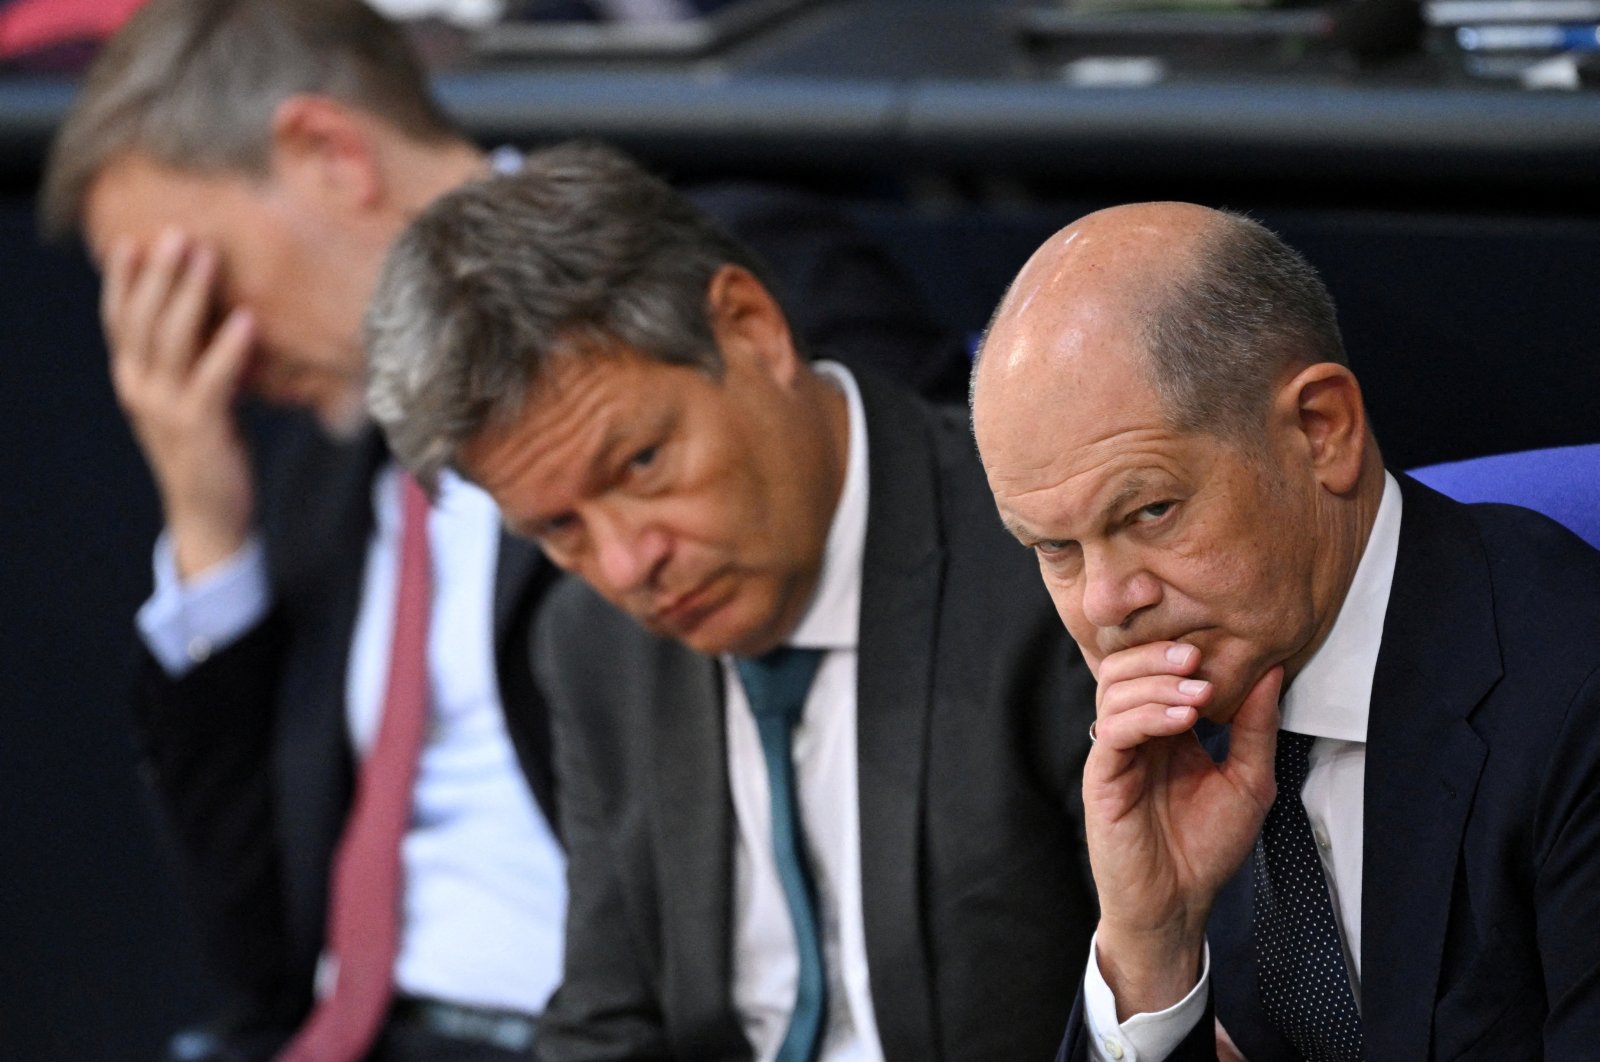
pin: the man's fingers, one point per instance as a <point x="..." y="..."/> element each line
<point x="1153" y="689"/>
<point x="177" y="329"/>
<point x="136" y="318"/>
<point x="224" y="360"/>
<point x="1152" y="658"/>
<point x="1132" y="728"/>
<point x="120" y="266"/>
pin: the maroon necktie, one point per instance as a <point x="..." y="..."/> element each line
<point x="364" y="894"/>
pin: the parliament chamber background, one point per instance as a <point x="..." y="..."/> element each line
<point x="1454" y="219"/>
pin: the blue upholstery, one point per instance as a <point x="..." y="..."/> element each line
<point x="1562" y="482"/>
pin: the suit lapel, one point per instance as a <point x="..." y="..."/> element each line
<point x="516" y="566"/>
<point x="521" y="578"/>
<point x="902" y="574"/>
<point x="1440" y="657"/>
<point x="694" y="848"/>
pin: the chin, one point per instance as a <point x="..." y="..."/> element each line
<point x="730" y="636"/>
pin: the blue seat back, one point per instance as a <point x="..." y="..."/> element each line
<point x="1562" y="482"/>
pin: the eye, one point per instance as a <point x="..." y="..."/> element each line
<point x="1057" y="555"/>
<point x="643" y="459"/>
<point x="550" y="533"/>
<point x="1153" y="512"/>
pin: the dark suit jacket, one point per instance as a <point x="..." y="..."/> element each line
<point x="973" y="711"/>
<point x="248" y="754"/>
<point x="1481" y="843"/>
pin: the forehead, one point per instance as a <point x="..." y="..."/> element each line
<point x="1068" y="415"/>
<point x="577" y="416"/>
<point x="134" y="197"/>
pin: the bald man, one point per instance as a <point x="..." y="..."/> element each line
<point x="1167" y="419"/>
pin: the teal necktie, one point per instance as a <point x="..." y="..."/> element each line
<point x="776" y="686"/>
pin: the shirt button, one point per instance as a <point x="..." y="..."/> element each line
<point x="199" y="649"/>
<point x="1320" y="832"/>
<point x="1113" y="1048"/>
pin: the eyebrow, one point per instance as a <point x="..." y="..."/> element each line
<point x="1137" y="484"/>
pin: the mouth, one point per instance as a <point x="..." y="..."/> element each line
<point x="687" y="610"/>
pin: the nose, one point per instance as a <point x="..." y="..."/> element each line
<point x="1116" y="588"/>
<point x="628" y="553"/>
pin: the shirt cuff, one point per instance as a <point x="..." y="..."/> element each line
<point x="183" y="623"/>
<point x="1147" y="1036"/>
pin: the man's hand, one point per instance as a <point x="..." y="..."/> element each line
<point x="1166" y="826"/>
<point x="176" y="382"/>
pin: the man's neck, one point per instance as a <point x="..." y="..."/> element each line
<point x="419" y="172"/>
<point x="1351" y="530"/>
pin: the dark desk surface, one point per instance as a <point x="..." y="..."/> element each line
<point x="856" y="87"/>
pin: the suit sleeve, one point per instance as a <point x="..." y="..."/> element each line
<point x="606" y="1007"/>
<point x="1567" y="882"/>
<point x="206" y="739"/>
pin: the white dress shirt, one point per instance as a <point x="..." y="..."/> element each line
<point x="485" y="893"/>
<point x="1329" y="699"/>
<point x="765" y="962"/>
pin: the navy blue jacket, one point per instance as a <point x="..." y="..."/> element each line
<point x="1481" y="880"/>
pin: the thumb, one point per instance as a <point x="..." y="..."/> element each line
<point x="1254" y="736"/>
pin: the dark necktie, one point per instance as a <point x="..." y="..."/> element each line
<point x="364" y="893"/>
<point x="776" y="686"/>
<point x="1305" y="988"/>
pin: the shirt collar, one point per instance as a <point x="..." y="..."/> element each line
<point x="833" y="619"/>
<point x="1332" y="695"/>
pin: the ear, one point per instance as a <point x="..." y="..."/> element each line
<point x="324" y="150"/>
<point x="1323" y="409"/>
<point x="749" y="325"/>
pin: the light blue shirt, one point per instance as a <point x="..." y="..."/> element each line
<point x="485" y="892"/>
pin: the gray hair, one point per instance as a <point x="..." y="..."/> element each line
<point x="194" y="84"/>
<point x="579" y="254"/>
<point x="1222" y="334"/>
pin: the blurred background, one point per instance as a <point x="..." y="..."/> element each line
<point x="1439" y="162"/>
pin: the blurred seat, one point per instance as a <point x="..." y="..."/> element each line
<point x="1562" y="482"/>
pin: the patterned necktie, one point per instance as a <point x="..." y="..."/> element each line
<point x="776" y="686"/>
<point x="1305" y="988"/>
<point x="364" y="892"/>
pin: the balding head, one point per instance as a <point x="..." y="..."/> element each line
<point x="1165" y="419"/>
<point x="1210" y="309"/>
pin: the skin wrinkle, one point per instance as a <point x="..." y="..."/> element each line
<point x="1079" y="352"/>
<point x="717" y="538"/>
<point x="1235" y="547"/>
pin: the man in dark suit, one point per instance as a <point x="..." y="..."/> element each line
<point x="239" y="169"/>
<point x="1395" y="859"/>
<point x="817" y="728"/>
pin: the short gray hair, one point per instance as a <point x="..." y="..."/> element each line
<point x="194" y="84"/>
<point x="579" y="254"/>
<point x="1248" y="308"/>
